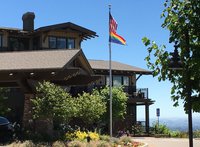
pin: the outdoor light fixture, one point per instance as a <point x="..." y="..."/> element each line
<point x="175" y="62"/>
<point x="32" y="73"/>
<point x="53" y="73"/>
<point x="10" y="74"/>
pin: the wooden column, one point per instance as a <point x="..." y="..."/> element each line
<point x="147" y="118"/>
<point x="134" y="113"/>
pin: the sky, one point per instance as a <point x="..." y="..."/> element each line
<point x="136" y="19"/>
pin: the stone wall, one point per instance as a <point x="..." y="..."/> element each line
<point x="27" y="117"/>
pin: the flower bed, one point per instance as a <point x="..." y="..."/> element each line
<point x="76" y="143"/>
<point x="84" y="139"/>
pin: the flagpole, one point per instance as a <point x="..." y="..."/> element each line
<point x="110" y="76"/>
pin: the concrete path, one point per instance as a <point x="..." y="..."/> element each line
<point x="167" y="142"/>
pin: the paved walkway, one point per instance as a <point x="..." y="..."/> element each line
<point x="167" y="142"/>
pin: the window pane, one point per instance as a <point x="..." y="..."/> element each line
<point x="13" y="44"/>
<point x="52" y="42"/>
<point x="0" y="40"/>
<point x="71" y="43"/>
<point x="125" y="81"/>
<point x="61" y="43"/>
<point x="107" y="80"/>
<point x="117" y="81"/>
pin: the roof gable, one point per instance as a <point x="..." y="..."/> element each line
<point x="39" y="60"/>
<point x="86" y="33"/>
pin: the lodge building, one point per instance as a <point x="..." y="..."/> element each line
<point x="53" y="53"/>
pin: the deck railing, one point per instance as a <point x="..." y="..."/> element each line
<point x="142" y="93"/>
<point x="130" y="90"/>
<point x="136" y="93"/>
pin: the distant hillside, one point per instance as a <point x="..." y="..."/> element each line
<point x="180" y="124"/>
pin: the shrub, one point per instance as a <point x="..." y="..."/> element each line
<point x="183" y="135"/>
<point x="76" y="144"/>
<point x="137" y="129"/>
<point x="197" y="134"/>
<point x="58" y="144"/>
<point x="115" y="141"/>
<point x="161" y="129"/>
<point x="178" y="134"/>
<point x="175" y="134"/>
<point x="103" y="144"/>
<point x="93" y="135"/>
<point x="125" y="139"/>
<point x="69" y="136"/>
<point x="104" y="138"/>
<point x="26" y="143"/>
<point x="81" y="136"/>
<point x="92" y="144"/>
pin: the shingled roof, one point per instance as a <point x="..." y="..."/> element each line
<point x="36" y="60"/>
<point x="117" y="66"/>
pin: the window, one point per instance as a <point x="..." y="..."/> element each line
<point x="1" y="38"/>
<point x="125" y="81"/>
<point x="18" y="44"/>
<point x="117" y="80"/>
<point x="13" y="44"/>
<point x="61" y="43"/>
<point x="107" y="80"/>
<point x="71" y="43"/>
<point x="52" y="42"/>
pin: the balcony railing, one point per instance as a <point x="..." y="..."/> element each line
<point x="142" y="93"/>
<point x="130" y="90"/>
<point x="136" y="93"/>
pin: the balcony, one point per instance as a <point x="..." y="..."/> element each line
<point x="141" y="93"/>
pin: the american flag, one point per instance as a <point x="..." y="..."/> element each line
<point x="113" y="24"/>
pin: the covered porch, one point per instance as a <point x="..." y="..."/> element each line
<point x="22" y="71"/>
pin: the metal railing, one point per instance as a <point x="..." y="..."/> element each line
<point x="130" y="90"/>
<point x="142" y="93"/>
<point x="136" y="93"/>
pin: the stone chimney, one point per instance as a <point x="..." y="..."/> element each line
<point x="28" y="21"/>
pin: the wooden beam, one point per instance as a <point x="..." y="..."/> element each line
<point x="24" y="85"/>
<point x="9" y="84"/>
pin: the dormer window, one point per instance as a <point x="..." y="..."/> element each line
<point x="71" y="43"/>
<point x="1" y="44"/>
<point x="61" y="43"/>
<point x="18" y="44"/>
<point x="52" y="42"/>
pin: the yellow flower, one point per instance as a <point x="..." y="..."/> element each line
<point x="81" y="135"/>
<point x="93" y="135"/>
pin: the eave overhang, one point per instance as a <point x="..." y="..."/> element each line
<point x="102" y="67"/>
<point x="69" y="27"/>
<point x="140" y="101"/>
<point x="66" y="66"/>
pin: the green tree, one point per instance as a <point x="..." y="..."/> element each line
<point x="119" y="102"/>
<point x="4" y="109"/>
<point x="182" y="19"/>
<point x="54" y="102"/>
<point x="90" y="106"/>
